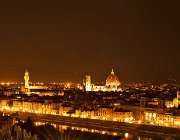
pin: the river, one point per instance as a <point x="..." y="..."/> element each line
<point x="70" y="132"/>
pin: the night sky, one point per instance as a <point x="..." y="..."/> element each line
<point x="64" y="41"/>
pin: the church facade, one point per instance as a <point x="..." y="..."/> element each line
<point x="112" y="84"/>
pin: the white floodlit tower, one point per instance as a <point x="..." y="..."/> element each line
<point x="26" y="78"/>
<point x="88" y="83"/>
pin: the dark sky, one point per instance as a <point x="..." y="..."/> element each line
<point x="64" y="41"/>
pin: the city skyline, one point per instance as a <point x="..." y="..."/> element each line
<point x="64" y="41"/>
<point x="169" y="80"/>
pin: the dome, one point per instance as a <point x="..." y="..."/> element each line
<point x="112" y="80"/>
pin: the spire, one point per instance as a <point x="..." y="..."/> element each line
<point x="26" y="71"/>
<point x="112" y="72"/>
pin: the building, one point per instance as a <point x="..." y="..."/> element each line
<point x="122" y="115"/>
<point x="135" y="109"/>
<point x="112" y="84"/>
<point x="88" y="83"/>
<point x="115" y="114"/>
<point x="88" y="114"/>
<point x="163" y="119"/>
<point x="27" y="88"/>
<point x="64" y="109"/>
<point x="105" y="113"/>
<point x="26" y="79"/>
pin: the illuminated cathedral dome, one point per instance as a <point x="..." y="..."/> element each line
<point x="112" y="81"/>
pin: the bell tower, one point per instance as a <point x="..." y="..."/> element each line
<point x="88" y="83"/>
<point x="26" y="79"/>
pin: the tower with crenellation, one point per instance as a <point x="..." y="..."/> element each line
<point x="26" y="79"/>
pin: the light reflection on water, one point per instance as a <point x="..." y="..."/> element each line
<point x="63" y="128"/>
<point x="123" y="135"/>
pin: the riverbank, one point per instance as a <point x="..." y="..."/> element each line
<point x="103" y="125"/>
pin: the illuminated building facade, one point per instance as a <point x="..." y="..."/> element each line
<point x="26" y="79"/>
<point x="27" y="88"/>
<point x="88" y="83"/>
<point x="163" y="119"/>
<point x="115" y="114"/>
<point x="105" y="113"/>
<point x="112" y="84"/>
<point x="122" y="115"/>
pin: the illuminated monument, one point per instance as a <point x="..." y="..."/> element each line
<point x="27" y="88"/>
<point x="88" y="83"/>
<point x="26" y="79"/>
<point x="112" y="84"/>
